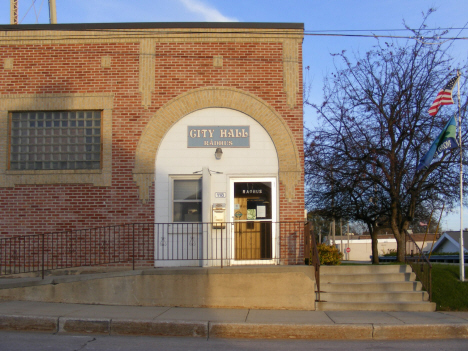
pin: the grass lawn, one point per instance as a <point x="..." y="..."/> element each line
<point x="447" y="291"/>
<point x="346" y="263"/>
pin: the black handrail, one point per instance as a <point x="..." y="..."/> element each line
<point x="419" y="263"/>
<point x="310" y="246"/>
<point x="143" y="244"/>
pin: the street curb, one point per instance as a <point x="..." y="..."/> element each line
<point x="291" y="331"/>
<point x="29" y="323"/>
<point x="159" y="328"/>
<point x="84" y="325"/>
<point x="420" y="331"/>
<point x="205" y="329"/>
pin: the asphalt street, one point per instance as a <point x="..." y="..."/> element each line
<point x="20" y="341"/>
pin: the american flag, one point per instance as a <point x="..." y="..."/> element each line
<point x="444" y="97"/>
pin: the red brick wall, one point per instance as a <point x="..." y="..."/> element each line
<point x="180" y="67"/>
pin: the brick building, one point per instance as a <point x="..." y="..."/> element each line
<point x="169" y="123"/>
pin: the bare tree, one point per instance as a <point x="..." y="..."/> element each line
<point x="361" y="161"/>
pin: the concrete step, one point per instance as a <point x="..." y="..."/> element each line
<point x="396" y="296"/>
<point x="377" y="306"/>
<point x="370" y="287"/>
<point x="364" y="269"/>
<point x="365" y="278"/>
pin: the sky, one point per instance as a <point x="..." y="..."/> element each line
<point x="318" y="16"/>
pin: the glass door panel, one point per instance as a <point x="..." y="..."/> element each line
<point x="252" y="220"/>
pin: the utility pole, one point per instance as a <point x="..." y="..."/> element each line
<point x="52" y="12"/>
<point x="13" y="11"/>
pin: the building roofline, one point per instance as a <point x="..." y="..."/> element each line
<point x="449" y="237"/>
<point x="152" y="25"/>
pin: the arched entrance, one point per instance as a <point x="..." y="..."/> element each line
<point x="288" y="156"/>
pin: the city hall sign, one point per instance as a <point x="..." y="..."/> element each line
<point x="218" y="136"/>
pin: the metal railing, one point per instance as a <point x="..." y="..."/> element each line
<point x="419" y="263"/>
<point x="310" y="246"/>
<point x="160" y="244"/>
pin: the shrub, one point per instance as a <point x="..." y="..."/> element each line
<point x="390" y="252"/>
<point x="329" y="255"/>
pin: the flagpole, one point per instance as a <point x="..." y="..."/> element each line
<point x="462" y="253"/>
<point x="445" y="142"/>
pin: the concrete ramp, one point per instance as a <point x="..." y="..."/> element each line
<point x="260" y="287"/>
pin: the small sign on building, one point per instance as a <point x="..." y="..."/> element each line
<point x="218" y="136"/>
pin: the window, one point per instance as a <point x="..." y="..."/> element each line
<point x="187" y="200"/>
<point x="13" y="175"/>
<point x="55" y="140"/>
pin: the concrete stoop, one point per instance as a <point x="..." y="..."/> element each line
<point x="371" y="288"/>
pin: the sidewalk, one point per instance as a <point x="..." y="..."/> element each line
<point x="230" y="323"/>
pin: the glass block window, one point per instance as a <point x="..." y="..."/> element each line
<point x="55" y="140"/>
<point x="187" y="200"/>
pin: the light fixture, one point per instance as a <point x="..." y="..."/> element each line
<point x="218" y="153"/>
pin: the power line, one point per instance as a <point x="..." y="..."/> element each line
<point x="311" y="31"/>
<point x="378" y="30"/>
<point x="109" y="34"/>
<point x="385" y="36"/>
<point x="31" y="6"/>
<point x="464" y="27"/>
